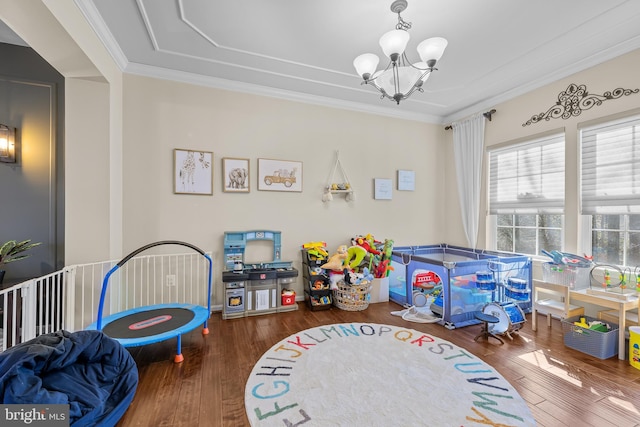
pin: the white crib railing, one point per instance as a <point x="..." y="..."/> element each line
<point x="68" y="299"/>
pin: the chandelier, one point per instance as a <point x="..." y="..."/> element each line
<point x="401" y="78"/>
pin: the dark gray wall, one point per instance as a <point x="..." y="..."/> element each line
<point x="32" y="190"/>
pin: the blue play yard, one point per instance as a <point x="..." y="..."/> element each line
<point x="458" y="282"/>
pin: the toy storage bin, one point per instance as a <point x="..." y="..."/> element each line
<point x="352" y="297"/>
<point x="312" y="260"/>
<point x="315" y="299"/>
<point x="573" y="276"/>
<point x="602" y="345"/>
<point x="288" y="299"/>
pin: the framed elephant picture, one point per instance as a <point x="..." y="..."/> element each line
<point x="235" y="176"/>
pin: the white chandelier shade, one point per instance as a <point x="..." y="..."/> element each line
<point x="366" y="64"/>
<point x="401" y="77"/>
<point x="394" y="43"/>
<point x="432" y="49"/>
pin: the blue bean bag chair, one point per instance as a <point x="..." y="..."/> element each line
<point x="92" y="373"/>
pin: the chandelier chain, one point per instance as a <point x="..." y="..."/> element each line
<point x="402" y="24"/>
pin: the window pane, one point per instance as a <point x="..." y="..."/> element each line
<point x="505" y="239"/>
<point x="550" y="239"/>
<point x="607" y="247"/>
<point x="609" y="157"/>
<point x="633" y="255"/>
<point x="526" y="240"/>
<point x="506" y="220"/>
<point x="634" y="222"/>
<point x="607" y="222"/>
<point x="525" y="221"/>
<point x="550" y="221"/>
<point x="528" y="176"/>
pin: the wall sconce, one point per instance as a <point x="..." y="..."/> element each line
<point x="7" y="144"/>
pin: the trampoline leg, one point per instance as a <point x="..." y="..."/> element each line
<point x="205" y="328"/>
<point x="179" y="357"/>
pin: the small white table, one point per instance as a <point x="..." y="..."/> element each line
<point x="559" y="307"/>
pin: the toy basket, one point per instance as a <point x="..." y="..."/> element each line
<point x="352" y="297"/>
<point x="602" y="345"/>
<point x="575" y="277"/>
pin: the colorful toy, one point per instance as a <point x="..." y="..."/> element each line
<point x="596" y="325"/>
<point x="623" y="280"/>
<point x="334" y="278"/>
<point x="368" y="244"/>
<point x="382" y="269"/>
<point x="607" y="279"/>
<point x="582" y="323"/>
<point x="355" y="256"/>
<point x="385" y="260"/>
<point x="315" y="271"/>
<point x="316" y="249"/>
<point x="318" y="285"/>
<point x="337" y="261"/>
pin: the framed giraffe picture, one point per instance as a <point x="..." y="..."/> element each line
<point x="192" y="172"/>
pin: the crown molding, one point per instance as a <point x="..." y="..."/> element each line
<point x="252" y="89"/>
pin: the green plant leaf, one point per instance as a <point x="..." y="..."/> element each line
<point x="12" y="251"/>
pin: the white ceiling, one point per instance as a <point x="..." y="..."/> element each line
<point x="303" y="50"/>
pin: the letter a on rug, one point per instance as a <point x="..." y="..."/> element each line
<point x="365" y="374"/>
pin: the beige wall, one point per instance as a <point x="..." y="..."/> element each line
<point x="86" y="172"/>
<point x="160" y="116"/>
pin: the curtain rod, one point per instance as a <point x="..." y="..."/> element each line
<point x="487" y="115"/>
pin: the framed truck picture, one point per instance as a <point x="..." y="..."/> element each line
<point x="279" y="175"/>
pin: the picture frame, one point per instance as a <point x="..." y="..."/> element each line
<point x="406" y="180"/>
<point x="192" y="172"/>
<point x="236" y="175"/>
<point x="382" y="189"/>
<point x="279" y="175"/>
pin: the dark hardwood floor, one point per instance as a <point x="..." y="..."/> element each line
<point x="563" y="387"/>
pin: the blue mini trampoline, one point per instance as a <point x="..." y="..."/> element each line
<point x="150" y="324"/>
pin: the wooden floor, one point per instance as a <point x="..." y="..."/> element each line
<point x="563" y="387"/>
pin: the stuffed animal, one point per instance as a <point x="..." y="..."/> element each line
<point x="337" y="261"/>
<point x="334" y="278"/>
<point x="366" y="274"/>
<point x="367" y="244"/>
<point x="355" y="255"/>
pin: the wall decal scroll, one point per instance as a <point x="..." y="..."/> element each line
<point x="574" y="100"/>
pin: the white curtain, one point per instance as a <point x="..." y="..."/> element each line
<point x="468" y="144"/>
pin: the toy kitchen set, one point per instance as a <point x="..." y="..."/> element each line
<point x="257" y="288"/>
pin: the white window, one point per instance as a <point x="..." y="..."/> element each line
<point x="526" y="195"/>
<point x="610" y="189"/>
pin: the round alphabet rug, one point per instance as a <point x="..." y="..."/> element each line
<point x="364" y="374"/>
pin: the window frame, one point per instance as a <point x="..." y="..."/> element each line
<point x="632" y="118"/>
<point x="537" y="209"/>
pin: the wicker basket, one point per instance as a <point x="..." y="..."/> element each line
<point x="352" y="297"/>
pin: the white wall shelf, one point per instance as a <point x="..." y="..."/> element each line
<point x="343" y="186"/>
